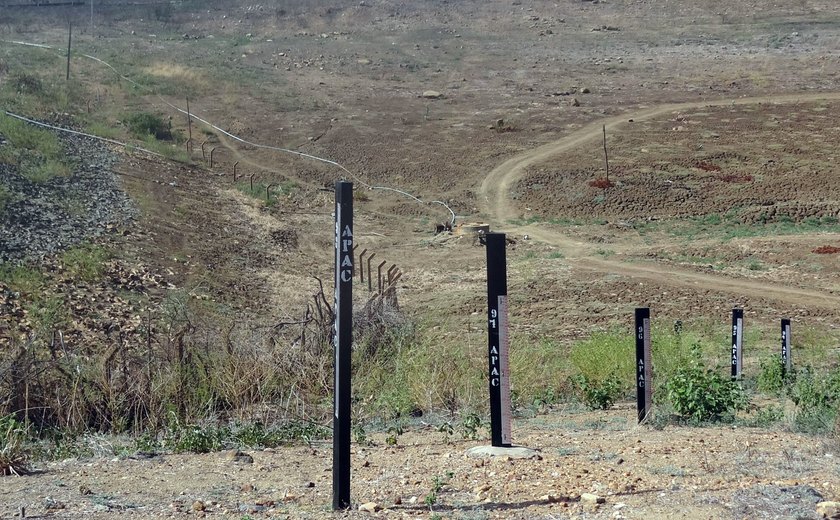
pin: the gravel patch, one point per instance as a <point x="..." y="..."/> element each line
<point x="46" y="218"/>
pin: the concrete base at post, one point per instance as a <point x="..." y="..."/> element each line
<point x="514" y="452"/>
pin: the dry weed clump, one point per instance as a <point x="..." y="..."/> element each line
<point x="826" y="250"/>
<point x="191" y="362"/>
<point x="601" y="183"/>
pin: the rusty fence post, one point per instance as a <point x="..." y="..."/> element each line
<point x="234" y="170"/>
<point x="379" y="274"/>
<point x="362" y="262"/>
<point x="370" y="273"/>
<point x="212" y="151"/>
<point x="203" y="153"/>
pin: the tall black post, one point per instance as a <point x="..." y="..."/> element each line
<point x="737" y="342"/>
<point x="643" y="366"/>
<point x="497" y="345"/>
<point x="69" y="39"/>
<point x="342" y="340"/>
<point x="786" y="360"/>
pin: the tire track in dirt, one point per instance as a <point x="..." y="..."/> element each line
<point x="494" y="196"/>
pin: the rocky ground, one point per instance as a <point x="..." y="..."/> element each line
<point x="46" y="218"/>
<point x="588" y="465"/>
<point x="515" y="81"/>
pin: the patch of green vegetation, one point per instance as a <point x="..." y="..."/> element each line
<point x="606" y="358"/>
<point x="102" y="130"/>
<point x="47" y="313"/>
<point x="817" y="399"/>
<point x="86" y="262"/>
<point x="698" y="393"/>
<point x="206" y="438"/>
<point x="38" y="153"/>
<point x="600" y="394"/>
<point x="166" y="149"/>
<point x="22" y="278"/>
<point x="268" y="193"/>
<point x="144" y="124"/>
<point x="14" y="455"/>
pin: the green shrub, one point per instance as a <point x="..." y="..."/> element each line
<point x="702" y="394"/>
<point x="772" y="377"/>
<point x="194" y="438"/>
<point x="598" y="395"/>
<point x="143" y="124"/>
<point x="765" y="417"/>
<point x="23" y="136"/>
<point x="817" y="398"/>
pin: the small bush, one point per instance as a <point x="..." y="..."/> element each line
<point x="598" y="395"/>
<point x="817" y="398"/>
<point x="143" y="124"/>
<point x="702" y="394"/>
<point x="766" y="417"/>
<point x="772" y="377"/>
<point x="24" y="83"/>
<point x="14" y="457"/>
<point x="195" y="438"/>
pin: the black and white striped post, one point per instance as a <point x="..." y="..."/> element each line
<point x="787" y="363"/>
<point x="643" y="366"/>
<point x="736" y="359"/>
<point x="342" y="342"/>
<point x="497" y="327"/>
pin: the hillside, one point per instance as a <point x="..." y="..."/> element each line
<point x="176" y="272"/>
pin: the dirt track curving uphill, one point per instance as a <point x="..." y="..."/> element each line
<point x="494" y="196"/>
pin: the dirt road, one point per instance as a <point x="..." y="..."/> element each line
<point x="494" y="196"/>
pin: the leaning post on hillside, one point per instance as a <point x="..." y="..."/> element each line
<point x="498" y="343"/>
<point x="787" y="363"/>
<point x="643" y="364"/>
<point x="342" y="342"/>
<point x="737" y="342"/>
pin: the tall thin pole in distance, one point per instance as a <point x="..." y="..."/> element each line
<point x="69" y="40"/>
<point x="189" y="120"/>
<point x="342" y="340"/>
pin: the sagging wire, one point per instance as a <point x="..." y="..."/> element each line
<point x="58" y="128"/>
<point x="235" y="137"/>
